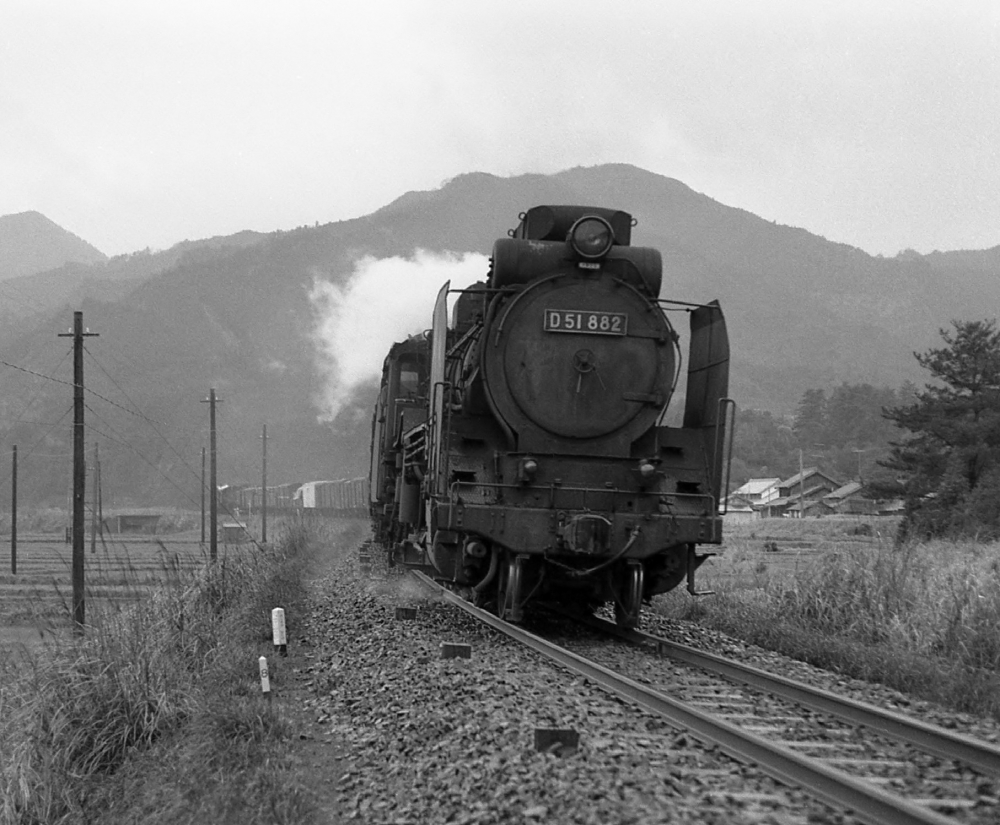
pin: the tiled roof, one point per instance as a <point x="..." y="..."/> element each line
<point x="848" y="489"/>
<point x="755" y="486"/>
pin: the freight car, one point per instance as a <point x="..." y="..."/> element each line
<point x="519" y="452"/>
<point x="244" y="499"/>
<point x="344" y="497"/>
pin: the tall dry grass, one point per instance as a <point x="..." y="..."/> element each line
<point x="179" y="661"/>
<point x="922" y="618"/>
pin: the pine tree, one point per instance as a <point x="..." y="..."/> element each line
<point x="951" y="461"/>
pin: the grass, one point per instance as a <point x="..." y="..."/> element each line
<point x="155" y="714"/>
<point x="921" y="618"/>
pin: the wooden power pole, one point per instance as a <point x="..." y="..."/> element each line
<point x="203" y="498"/>
<point x="93" y="501"/>
<point x="79" y="466"/>
<point x="213" y="488"/>
<point x="263" y="490"/>
<point x="13" y="514"/>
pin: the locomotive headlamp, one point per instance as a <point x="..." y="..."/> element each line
<point x="476" y="549"/>
<point x="646" y="470"/>
<point x="527" y="469"/>
<point x="591" y="237"/>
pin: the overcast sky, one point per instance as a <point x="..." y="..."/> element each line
<point x="136" y="124"/>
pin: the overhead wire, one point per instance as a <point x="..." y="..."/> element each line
<point x="121" y="440"/>
<point x="4" y="479"/>
<point x="114" y="436"/>
<point x="140" y="414"/>
<point x="20" y="419"/>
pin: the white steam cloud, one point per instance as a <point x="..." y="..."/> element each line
<point x="386" y="300"/>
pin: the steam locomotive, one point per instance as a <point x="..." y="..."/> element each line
<point x="519" y="450"/>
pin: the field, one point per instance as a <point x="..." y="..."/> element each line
<point x="839" y="593"/>
<point x="121" y="569"/>
<point x="768" y="552"/>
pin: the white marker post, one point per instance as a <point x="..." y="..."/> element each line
<point x="278" y="628"/>
<point x="265" y="681"/>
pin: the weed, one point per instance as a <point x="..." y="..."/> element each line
<point x="919" y="617"/>
<point x="170" y="668"/>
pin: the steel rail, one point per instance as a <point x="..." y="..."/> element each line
<point x="868" y="802"/>
<point x="984" y="756"/>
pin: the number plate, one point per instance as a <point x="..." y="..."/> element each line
<point x="586" y="322"/>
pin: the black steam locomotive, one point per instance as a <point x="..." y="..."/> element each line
<point x="519" y="450"/>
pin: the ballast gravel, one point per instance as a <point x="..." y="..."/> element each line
<point x="711" y="641"/>
<point x="390" y="732"/>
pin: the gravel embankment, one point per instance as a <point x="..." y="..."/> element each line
<point x="392" y="733"/>
<point x="696" y="636"/>
<point x="904" y="770"/>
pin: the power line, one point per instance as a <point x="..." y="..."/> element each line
<point x="38" y="374"/>
<point x="121" y="441"/>
<point x="44" y="435"/>
<point x="118" y="439"/>
<point x="147" y="419"/>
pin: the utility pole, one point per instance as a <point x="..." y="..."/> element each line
<point x="93" y="504"/>
<point x="202" y="496"/>
<point x="13" y="514"/>
<point x="79" y="466"/>
<point x="859" y="454"/>
<point x="100" y="503"/>
<point x="263" y="490"/>
<point x="802" y="487"/>
<point x="213" y="489"/>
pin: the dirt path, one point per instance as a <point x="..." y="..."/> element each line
<point x="322" y="756"/>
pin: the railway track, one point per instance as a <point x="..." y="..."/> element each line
<point x="881" y="766"/>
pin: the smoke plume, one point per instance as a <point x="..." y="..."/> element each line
<point x="384" y="301"/>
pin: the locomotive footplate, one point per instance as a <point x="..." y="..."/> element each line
<point x="582" y="533"/>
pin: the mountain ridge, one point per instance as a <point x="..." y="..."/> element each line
<point x="32" y="243"/>
<point x="235" y="313"/>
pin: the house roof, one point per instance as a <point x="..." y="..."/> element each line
<point x="806" y="474"/>
<point x="756" y="486"/>
<point x="809" y="494"/>
<point x="846" y="491"/>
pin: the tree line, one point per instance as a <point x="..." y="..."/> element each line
<point x="843" y="432"/>
<point x="938" y="448"/>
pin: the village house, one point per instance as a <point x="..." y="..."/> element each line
<point x="802" y="494"/>
<point x="850" y="500"/>
<point x="758" y="491"/>
<point x="738" y="508"/>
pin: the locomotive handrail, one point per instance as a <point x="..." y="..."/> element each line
<point x="706" y="500"/>
<point x="684" y="303"/>
<point x="434" y="452"/>
<point x="721" y="433"/>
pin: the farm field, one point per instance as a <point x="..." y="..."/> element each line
<point x="763" y="552"/>
<point x="37" y="601"/>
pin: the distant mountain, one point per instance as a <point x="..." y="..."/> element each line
<point x="234" y="314"/>
<point x="31" y="243"/>
<point x="26" y="299"/>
